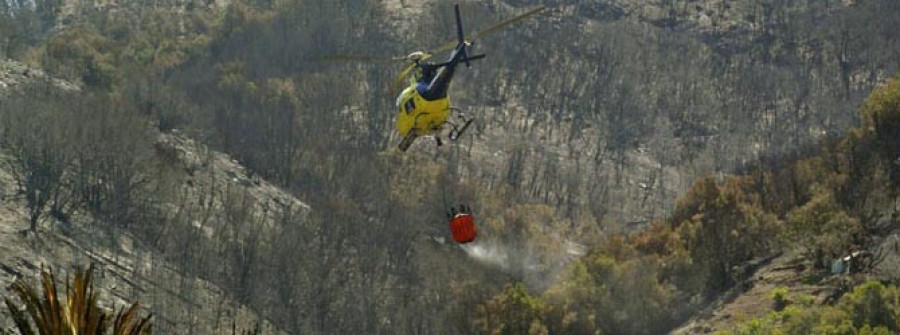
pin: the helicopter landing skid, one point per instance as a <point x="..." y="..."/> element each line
<point x="455" y="131"/>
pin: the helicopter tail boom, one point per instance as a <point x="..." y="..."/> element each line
<point x="468" y="58"/>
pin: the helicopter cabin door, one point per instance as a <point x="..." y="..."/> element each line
<point x="414" y="112"/>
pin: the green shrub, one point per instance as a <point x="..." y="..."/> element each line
<point x="779" y="298"/>
<point x="870" y="309"/>
<point x="874" y="304"/>
<point x="822" y="229"/>
<point x="881" y="116"/>
<point x="514" y="311"/>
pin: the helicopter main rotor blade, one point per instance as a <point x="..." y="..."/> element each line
<point x="400" y="77"/>
<point x="495" y="27"/>
<point x="502" y="24"/>
<point x="360" y="58"/>
<point x="450" y="45"/>
<point x="398" y="81"/>
<point x="404" y="74"/>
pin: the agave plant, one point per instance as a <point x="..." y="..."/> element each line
<point x="78" y="315"/>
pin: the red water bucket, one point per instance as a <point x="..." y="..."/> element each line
<point x="463" y="228"/>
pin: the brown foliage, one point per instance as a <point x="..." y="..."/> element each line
<point x="658" y="239"/>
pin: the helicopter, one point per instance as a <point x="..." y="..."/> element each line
<point x="423" y="107"/>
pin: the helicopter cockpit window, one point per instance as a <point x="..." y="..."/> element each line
<point x="410" y="106"/>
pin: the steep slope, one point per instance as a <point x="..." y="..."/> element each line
<point x="833" y="262"/>
<point x="213" y="229"/>
<point x="592" y="119"/>
<point x="753" y="298"/>
<point x="605" y="120"/>
<point x="128" y="269"/>
<point x="609" y="109"/>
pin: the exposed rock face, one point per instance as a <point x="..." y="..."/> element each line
<point x="13" y="74"/>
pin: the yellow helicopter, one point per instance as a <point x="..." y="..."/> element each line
<point x="424" y="106"/>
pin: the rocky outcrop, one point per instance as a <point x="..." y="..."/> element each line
<point x="14" y="74"/>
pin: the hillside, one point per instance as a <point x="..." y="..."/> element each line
<point x="129" y="269"/>
<point x="634" y="164"/>
<point x="625" y="103"/>
<point x="753" y="298"/>
<point x="127" y="272"/>
<point x="839" y="249"/>
<point x="208" y="209"/>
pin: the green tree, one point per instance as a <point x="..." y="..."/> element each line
<point x="728" y="227"/>
<point x="874" y="305"/>
<point x="822" y="229"/>
<point x="881" y="115"/>
<point x="514" y="311"/>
